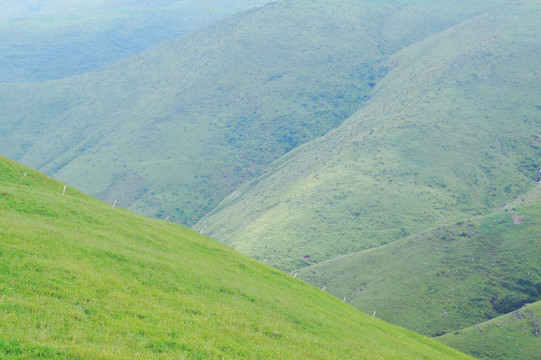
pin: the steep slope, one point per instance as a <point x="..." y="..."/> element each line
<point x="80" y="279"/>
<point x="172" y="131"/>
<point x="514" y="336"/>
<point x="447" y="278"/>
<point x="453" y="130"/>
<point x="42" y="40"/>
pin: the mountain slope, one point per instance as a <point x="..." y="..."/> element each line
<point x="80" y="279"/>
<point x="447" y="278"/>
<point x="451" y="131"/>
<point x="172" y="131"/>
<point x="513" y="336"/>
<point x="55" y="39"/>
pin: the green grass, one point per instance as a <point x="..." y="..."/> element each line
<point x="174" y="130"/>
<point x="447" y="278"/>
<point x="514" y="336"/>
<point x="451" y="131"/>
<point x="82" y="280"/>
<point x="54" y="39"/>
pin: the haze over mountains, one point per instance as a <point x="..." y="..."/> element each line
<point x="385" y="151"/>
<point x="172" y="131"/>
<point x="51" y="39"/>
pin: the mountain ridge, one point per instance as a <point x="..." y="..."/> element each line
<point x="140" y="128"/>
<point x="322" y="196"/>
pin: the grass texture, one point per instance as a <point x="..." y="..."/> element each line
<point x="80" y="279"/>
<point x="513" y="336"/>
<point x="447" y="278"/>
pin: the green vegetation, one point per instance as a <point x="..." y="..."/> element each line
<point x="447" y="128"/>
<point x="174" y="130"/>
<point x="514" y="336"/>
<point x="447" y="278"/>
<point x="82" y="280"/>
<point x="451" y="131"/>
<point x="53" y="39"/>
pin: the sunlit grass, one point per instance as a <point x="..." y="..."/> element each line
<point x="80" y="279"/>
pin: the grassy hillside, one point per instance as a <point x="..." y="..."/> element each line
<point x="172" y="131"/>
<point x="82" y="280"/>
<point x="452" y="131"/>
<point x="447" y="278"/>
<point x="52" y="39"/>
<point x="514" y="336"/>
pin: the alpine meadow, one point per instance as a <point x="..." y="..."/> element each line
<point x="362" y="179"/>
<point x="83" y="280"/>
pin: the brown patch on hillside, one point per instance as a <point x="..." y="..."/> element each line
<point x="517" y="218"/>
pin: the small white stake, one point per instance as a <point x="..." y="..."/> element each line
<point x="295" y="275"/>
<point x="344" y="299"/>
<point x="374" y="314"/>
<point x="324" y="287"/>
<point x="167" y="218"/>
<point x="114" y="204"/>
<point x="23" y="178"/>
<point x="64" y="191"/>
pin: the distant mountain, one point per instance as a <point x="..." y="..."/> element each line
<point x="448" y="278"/>
<point x="514" y="336"/>
<point x="51" y="39"/>
<point x="80" y="279"/>
<point x="174" y="130"/>
<point x="452" y="130"/>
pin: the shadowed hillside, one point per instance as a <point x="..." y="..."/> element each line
<point x="172" y="131"/>
<point x="514" y="336"/>
<point x="444" y="279"/>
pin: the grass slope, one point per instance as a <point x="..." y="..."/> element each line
<point x="172" y="131"/>
<point x="82" y="280"/>
<point x="453" y="130"/>
<point x="514" y="336"/>
<point x="447" y="278"/>
<point x="55" y="39"/>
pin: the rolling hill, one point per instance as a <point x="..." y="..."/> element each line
<point x="80" y="279"/>
<point x="52" y="39"/>
<point x="514" y="336"/>
<point x="174" y="130"/>
<point x="451" y="131"/>
<point x="447" y="278"/>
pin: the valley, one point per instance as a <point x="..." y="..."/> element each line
<point x="387" y="153"/>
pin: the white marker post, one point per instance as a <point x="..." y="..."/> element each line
<point x="167" y="218"/>
<point x="374" y="314"/>
<point x="114" y="204"/>
<point x="64" y="191"/>
<point x="23" y="177"/>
